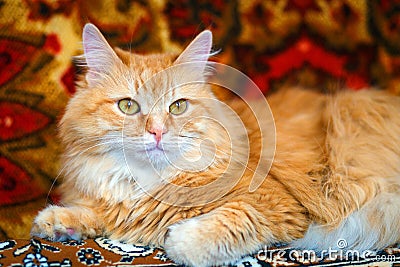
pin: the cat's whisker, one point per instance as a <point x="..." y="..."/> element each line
<point x="88" y="140"/>
<point x="94" y="146"/>
<point x="221" y="151"/>
<point x="190" y="136"/>
<point x="214" y="148"/>
<point x="53" y="183"/>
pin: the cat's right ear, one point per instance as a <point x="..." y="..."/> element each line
<point x="197" y="52"/>
<point x="99" y="56"/>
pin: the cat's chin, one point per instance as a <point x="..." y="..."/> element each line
<point x="158" y="158"/>
<point x="154" y="160"/>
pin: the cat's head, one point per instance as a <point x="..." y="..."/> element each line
<point x="152" y="108"/>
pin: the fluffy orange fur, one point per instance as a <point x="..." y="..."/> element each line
<point x="337" y="158"/>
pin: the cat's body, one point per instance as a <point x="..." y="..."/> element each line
<point x="336" y="171"/>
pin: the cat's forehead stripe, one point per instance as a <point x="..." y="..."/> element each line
<point x="132" y="85"/>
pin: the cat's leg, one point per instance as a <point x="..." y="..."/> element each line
<point x="375" y="226"/>
<point x="218" y="237"/>
<point x="65" y="223"/>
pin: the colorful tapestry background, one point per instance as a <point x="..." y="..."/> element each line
<point x="321" y="44"/>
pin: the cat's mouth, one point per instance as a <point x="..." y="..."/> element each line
<point x="155" y="148"/>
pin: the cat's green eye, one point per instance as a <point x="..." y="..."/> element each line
<point x="128" y="106"/>
<point x="178" y="107"/>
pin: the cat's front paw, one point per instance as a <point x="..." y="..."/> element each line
<point x="60" y="224"/>
<point x="192" y="243"/>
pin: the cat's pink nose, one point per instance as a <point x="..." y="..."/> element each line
<point x="158" y="133"/>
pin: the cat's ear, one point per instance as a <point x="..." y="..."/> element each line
<point x="198" y="51"/>
<point x="100" y="57"/>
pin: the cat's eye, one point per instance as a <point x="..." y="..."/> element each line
<point x="128" y="106"/>
<point x="178" y="107"/>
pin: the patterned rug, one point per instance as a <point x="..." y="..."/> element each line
<point x="105" y="252"/>
<point x="320" y="44"/>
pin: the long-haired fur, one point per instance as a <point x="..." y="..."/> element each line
<point x="336" y="171"/>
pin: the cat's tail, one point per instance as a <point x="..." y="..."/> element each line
<point x="374" y="226"/>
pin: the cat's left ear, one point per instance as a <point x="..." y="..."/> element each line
<point x="198" y="51"/>
<point x="100" y="57"/>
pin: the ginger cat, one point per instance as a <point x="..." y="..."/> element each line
<point x="335" y="174"/>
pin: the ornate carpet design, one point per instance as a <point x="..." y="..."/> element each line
<point x="321" y="44"/>
<point x="105" y="252"/>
